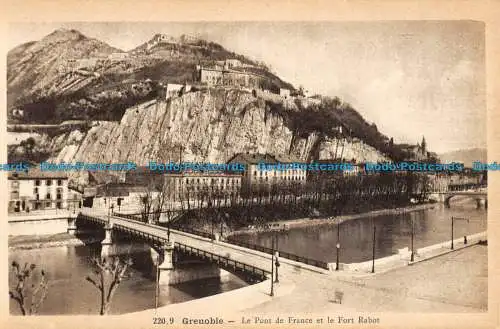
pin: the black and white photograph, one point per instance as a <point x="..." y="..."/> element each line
<point x="234" y="173"/>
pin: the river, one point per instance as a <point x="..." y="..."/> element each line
<point x="70" y="293"/>
<point x="393" y="232"/>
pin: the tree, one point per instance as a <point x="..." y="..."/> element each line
<point x="110" y="273"/>
<point x="23" y="289"/>
<point x="146" y="203"/>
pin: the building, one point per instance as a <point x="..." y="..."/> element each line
<point x="225" y="76"/>
<point x="36" y="190"/>
<point x="121" y="196"/>
<point x="255" y="178"/>
<point x="179" y="186"/>
<point x="230" y="63"/>
<point x="202" y="185"/>
<point x="285" y="92"/>
<point x="117" y="56"/>
<point x="174" y="89"/>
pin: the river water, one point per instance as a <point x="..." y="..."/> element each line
<point x="392" y="232"/>
<point x="70" y="293"/>
<point x="68" y="266"/>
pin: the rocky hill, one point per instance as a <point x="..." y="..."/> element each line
<point x="208" y="126"/>
<point x="68" y="76"/>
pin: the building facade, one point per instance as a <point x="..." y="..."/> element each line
<point x="255" y="178"/>
<point x="179" y="186"/>
<point x="228" y="77"/>
<point x="37" y="190"/>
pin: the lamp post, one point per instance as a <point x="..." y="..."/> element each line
<point x="373" y="250"/>
<point x="272" y="266"/>
<point x="168" y="225"/>
<point x="412" y="237"/>
<point x="338" y="246"/>
<point x="209" y="204"/>
<point x="452" y="220"/>
<point x="276" y="253"/>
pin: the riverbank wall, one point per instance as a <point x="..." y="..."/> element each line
<point x="403" y="256"/>
<point x="39" y="224"/>
<point x="305" y="222"/>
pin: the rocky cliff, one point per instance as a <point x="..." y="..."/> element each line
<point x="208" y="126"/>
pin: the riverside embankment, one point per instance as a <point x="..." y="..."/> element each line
<point x="305" y="222"/>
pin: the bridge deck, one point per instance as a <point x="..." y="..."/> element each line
<point x="222" y="253"/>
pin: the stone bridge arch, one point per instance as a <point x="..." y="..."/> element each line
<point x="481" y="200"/>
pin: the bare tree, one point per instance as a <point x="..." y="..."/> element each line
<point x="146" y="204"/>
<point x="110" y="273"/>
<point x="23" y="288"/>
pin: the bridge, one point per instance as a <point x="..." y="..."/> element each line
<point x="481" y="197"/>
<point x="235" y="259"/>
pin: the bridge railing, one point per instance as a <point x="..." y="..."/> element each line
<point x="174" y="227"/>
<point x="224" y="261"/>
<point x="194" y="231"/>
<point x="283" y="254"/>
<point x="129" y="216"/>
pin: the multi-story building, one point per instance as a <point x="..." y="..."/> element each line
<point x="198" y="185"/>
<point x="224" y="76"/>
<point x="36" y="190"/>
<point x="179" y="186"/>
<point x="254" y="177"/>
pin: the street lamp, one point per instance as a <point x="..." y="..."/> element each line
<point x="338" y="246"/>
<point x="272" y="266"/>
<point x="373" y="250"/>
<point x="412" y="237"/>
<point x="452" y="220"/>
<point x="168" y="224"/>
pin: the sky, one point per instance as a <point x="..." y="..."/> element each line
<point x="411" y="78"/>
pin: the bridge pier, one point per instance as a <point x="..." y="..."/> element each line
<point x="107" y="243"/>
<point x="481" y="202"/>
<point x="166" y="265"/>
<point x="72" y="225"/>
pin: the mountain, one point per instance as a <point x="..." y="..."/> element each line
<point x="465" y="156"/>
<point x="37" y="69"/>
<point x="69" y="76"/>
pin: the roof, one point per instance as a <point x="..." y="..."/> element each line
<point x="288" y="159"/>
<point x="119" y="189"/>
<point x="36" y="173"/>
<point x="254" y="158"/>
<point x="101" y="177"/>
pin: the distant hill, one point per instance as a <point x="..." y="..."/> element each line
<point x="69" y="76"/>
<point x="466" y="156"/>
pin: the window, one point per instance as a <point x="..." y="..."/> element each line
<point x="59" y="182"/>
<point x="48" y="182"/>
<point x="14" y="184"/>
<point x="37" y="182"/>
<point x="47" y="204"/>
<point x="47" y="196"/>
<point x="35" y="190"/>
<point x="58" y="205"/>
